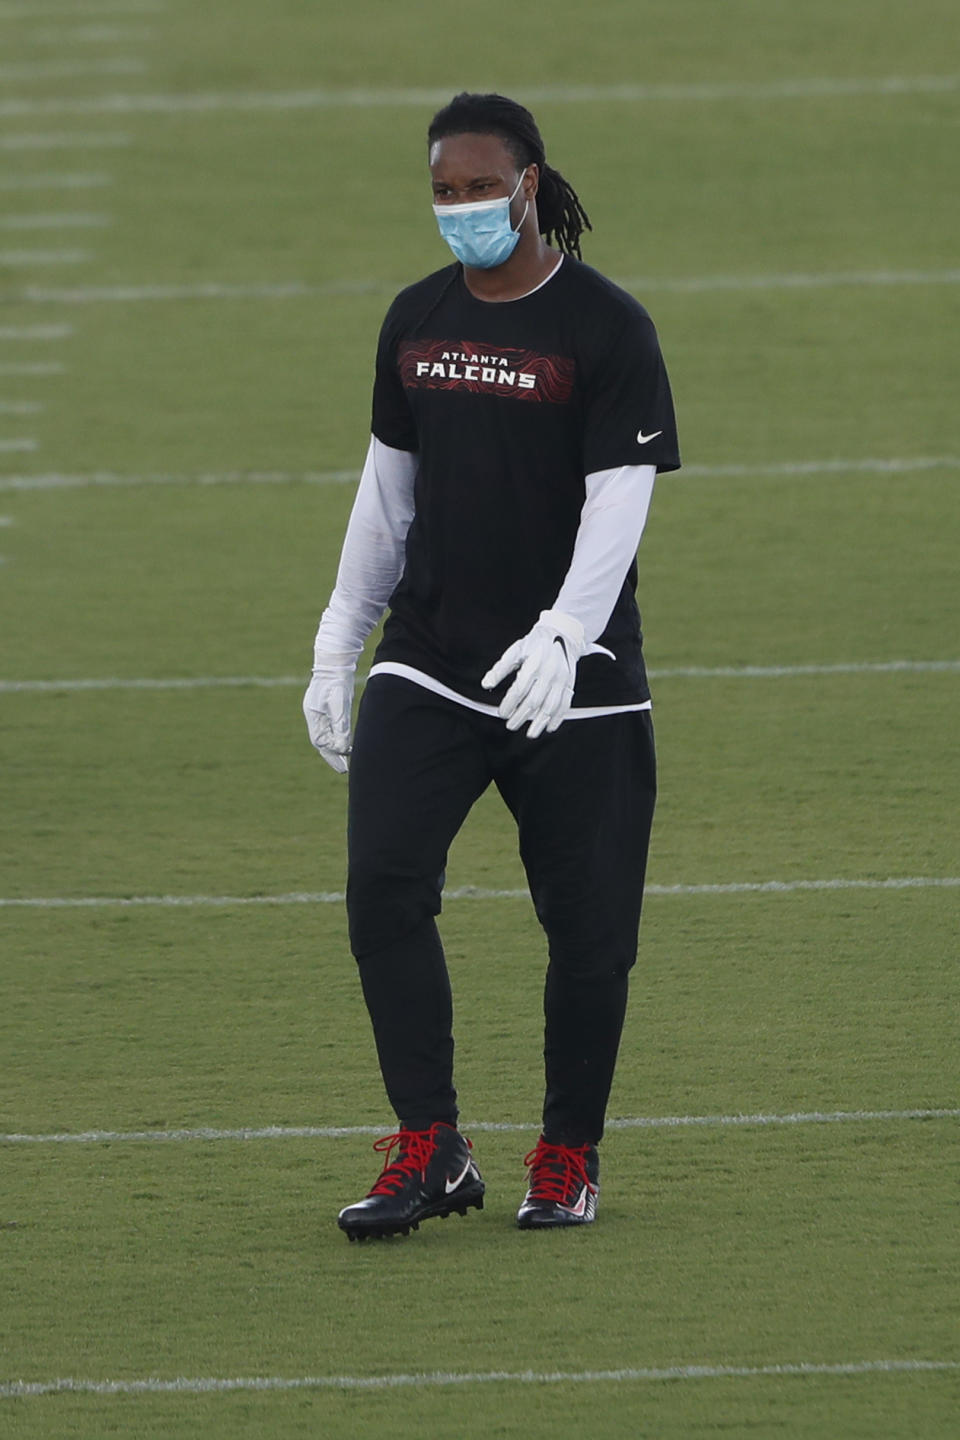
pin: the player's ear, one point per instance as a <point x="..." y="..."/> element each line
<point x="531" y="182"/>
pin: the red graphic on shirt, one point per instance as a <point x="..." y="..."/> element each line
<point x="486" y="370"/>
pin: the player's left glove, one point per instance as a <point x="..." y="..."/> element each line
<point x="546" y="662"/>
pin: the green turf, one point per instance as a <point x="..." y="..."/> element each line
<point x="223" y="1261"/>
<point x="759" y="1003"/>
<point x="741" y="1245"/>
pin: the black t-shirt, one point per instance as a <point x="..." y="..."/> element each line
<point x="510" y="405"/>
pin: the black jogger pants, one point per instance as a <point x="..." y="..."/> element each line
<point x="583" y="802"/>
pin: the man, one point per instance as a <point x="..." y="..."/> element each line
<point x="520" y="413"/>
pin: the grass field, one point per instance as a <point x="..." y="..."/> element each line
<point x="196" y="249"/>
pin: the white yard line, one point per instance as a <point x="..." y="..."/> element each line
<point x="777" y="672"/>
<point x="89" y="35"/>
<point x="29" y="367"/>
<point x="36" y="9"/>
<point x="19" y="258"/>
<point x="343" y="1132"/>
<point x="814" y="280"/>
<point x="186" y="682"/>
<point x="229" y="477"/>
<point x="74" y="181"/>
<point x="798" y="88"/>
<point x="53" y="221"/>
<point x="299" y="289"/>
<point x="20" y="407"/>
<point x="811" y="88"/>
<point x="35" y="332"/>
<point x="66" y="140"/>
<point x="433" y="1379"/>
<point x="679" y="672"/>
<point x="200" y="682"/>
<point x="786" y="887"/>
<point x="204" y="290"/>
<point x="69" y="69"/>
<point x="465" y="892"/>
<point x="881" y="466"/>
<point x="21" y="445"/>
<point x="92" y="480"/>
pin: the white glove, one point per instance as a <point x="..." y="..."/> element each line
<point x="327" y="707"/>
<point x="547" y="662"/>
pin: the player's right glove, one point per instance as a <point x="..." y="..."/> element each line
<point x="327" y="707"/>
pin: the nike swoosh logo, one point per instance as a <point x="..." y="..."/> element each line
<point x="451" y="1185"/>
<point x="580" y="1208"/>
<point x="644" y="439"/>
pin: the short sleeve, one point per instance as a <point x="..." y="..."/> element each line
<point x="628" y="407"/>
<point x="393" y="421"/>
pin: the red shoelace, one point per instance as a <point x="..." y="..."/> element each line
<point x="416" y="1151"/>
<point x="555" y="1170"/>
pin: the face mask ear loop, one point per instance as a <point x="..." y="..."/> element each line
<point x="526" y="204"/>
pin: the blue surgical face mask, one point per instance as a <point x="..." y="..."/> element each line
<point x="479" y="233"/>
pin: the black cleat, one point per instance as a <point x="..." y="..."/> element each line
<point x="432" y="1176"/>
<point x="563" y="1187"/>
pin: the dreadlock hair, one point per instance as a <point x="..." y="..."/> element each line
<point x="562" y="217"/>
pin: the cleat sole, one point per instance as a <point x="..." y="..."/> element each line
<point x="456" y="1206"/>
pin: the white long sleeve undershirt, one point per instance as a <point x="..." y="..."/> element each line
<point x="612" y="520"/>
<point x="371" y="560"/>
